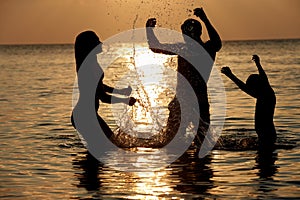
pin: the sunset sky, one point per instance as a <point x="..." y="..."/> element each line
<point x="55" y="21"/>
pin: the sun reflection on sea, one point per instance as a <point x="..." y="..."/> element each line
<point x="152" y="89"/>
<point x="154" y="184"/>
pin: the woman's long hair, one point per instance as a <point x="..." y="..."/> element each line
<point x="85" y="42"/>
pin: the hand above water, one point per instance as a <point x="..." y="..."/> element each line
<point x="256" y="58"/>
<point x="151" y="22"/>
<point x="226" y="70"/>
<point x="132" y="101"/>
<point x="199" y="12"/>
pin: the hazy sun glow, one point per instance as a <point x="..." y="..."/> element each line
<point x="26" y="22"/>
<point x="149" y="68"/>
<point x="148" y="65"/>
<point x="150" y="84"/>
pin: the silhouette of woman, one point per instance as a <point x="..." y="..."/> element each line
<point x="87" y="44"/>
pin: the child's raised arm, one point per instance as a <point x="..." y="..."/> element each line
<point x="261" y="71"/>
<point x="237" y="81"/>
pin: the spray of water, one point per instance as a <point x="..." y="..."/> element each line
<point x="127" y="135"/>
<point x="123" y="136"/>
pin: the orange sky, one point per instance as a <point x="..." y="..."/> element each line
<point x="55" y="21"/>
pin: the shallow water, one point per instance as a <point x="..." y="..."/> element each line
<point x="43" y="157"/>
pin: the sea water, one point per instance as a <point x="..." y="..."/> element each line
<point x="43" y="156"/>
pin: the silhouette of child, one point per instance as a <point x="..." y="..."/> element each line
<point x="258" y="86"/>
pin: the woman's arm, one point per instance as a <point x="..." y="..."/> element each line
<point x="124" y="91"/>
<point x="107" y="98"/>
<point x="237" y="81"/>
<point x="108" y="89"/>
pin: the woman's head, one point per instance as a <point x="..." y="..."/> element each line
<point x="192" y="28"/>
<point x="254" y="83"/>
<point x="85" y="42"/>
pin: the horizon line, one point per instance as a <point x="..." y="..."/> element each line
<point x="230" y="40"/>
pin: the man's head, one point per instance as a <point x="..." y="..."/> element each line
<point x="192" y="28"/>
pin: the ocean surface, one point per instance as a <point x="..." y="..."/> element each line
<point x="42" y="156"/>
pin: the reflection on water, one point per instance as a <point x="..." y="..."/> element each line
<point x="188" y="176"/>
<point x="43" y="158"/>
<point x="88" y="168"/>
<point x="265" y="163"/>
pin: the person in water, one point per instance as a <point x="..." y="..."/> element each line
<point x="88" y="45"/>
<point x="258" y="86"/>
<point x="193" y="29"/>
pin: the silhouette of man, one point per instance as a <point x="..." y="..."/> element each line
<point x="193" y="29"/>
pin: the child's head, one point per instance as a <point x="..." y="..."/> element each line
<point x="254" y="83"/>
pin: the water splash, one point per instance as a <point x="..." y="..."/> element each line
<point x="167" y="13"/>
<point x="157" y="136"/>
<point x="143" y="110"/>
